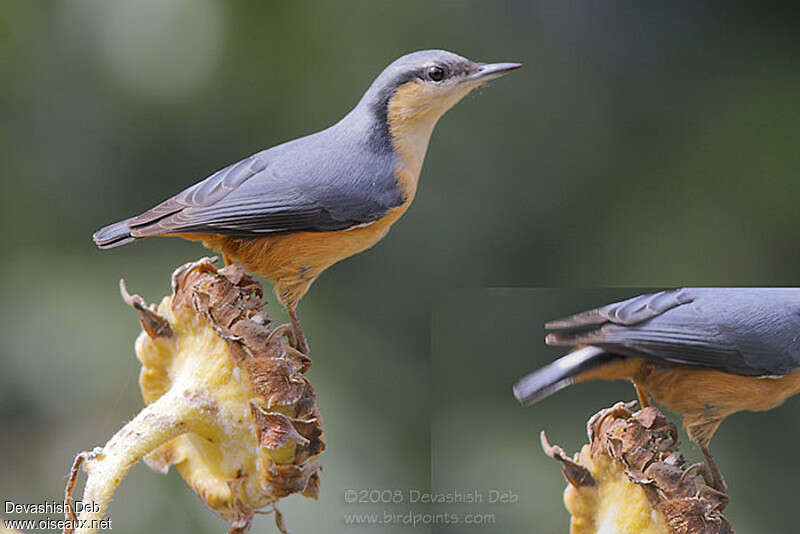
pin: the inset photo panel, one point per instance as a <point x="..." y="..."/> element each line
<point x="538" y="418"/>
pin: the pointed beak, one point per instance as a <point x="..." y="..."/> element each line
<point x="491" y="71"/>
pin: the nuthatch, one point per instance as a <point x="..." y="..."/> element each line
<point x="291" y="211"/>
<point x="705" y="353"/>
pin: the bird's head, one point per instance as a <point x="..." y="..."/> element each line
<point x="421" y="86"/>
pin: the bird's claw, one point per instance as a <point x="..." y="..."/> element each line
<point x="714" y="481"/>
<point x="697" y="468"/>
<point x="288" y="331"/>
<point x="620" y="409"/>
<point x="285" y="330"/>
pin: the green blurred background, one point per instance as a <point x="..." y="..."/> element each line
<point x="642" y="144"/>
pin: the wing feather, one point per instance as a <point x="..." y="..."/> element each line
<point x="743" y="331"/>
<point x="252" y="198"/>
<point x="323" y="182"/>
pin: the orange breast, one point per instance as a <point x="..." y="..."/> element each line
<point x="703" y="396"/>
<point x="293" y="261"/>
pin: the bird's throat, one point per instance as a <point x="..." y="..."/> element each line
<point x="411" y="114"/>
<point x="410" y="142"/>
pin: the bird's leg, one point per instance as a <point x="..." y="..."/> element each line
<point x="300" y="337"/>
<point x="644" y="398"/>
<point x="718" y="481"/>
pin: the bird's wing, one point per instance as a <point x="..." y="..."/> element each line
<point x="627" y="312"/>
<point x="266" y="193"/>
<point x="742" y="333"/>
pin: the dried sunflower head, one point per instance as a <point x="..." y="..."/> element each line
<point x="254" y="430"/>
<point x="630" y="478"/>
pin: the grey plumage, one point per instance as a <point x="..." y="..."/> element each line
<point x="561" y="373"/>
<point x="744" y="331"/>
<point x="335" y="179"/>
<point x="291" y="187"/>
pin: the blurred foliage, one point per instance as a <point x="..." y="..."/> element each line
<point x="642" y="143"/>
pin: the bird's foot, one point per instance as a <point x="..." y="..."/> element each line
<point x="717" y="479"/>
<point x="620" y="409"/>
<point x="698" y="468"/>
<point x="300" y="338"/>
<point x="712" y="477"/>
<point x="285" y="330"/>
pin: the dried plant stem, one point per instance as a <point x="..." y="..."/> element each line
<point x="167" y="417"/>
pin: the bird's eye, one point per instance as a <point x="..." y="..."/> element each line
<point x="436" y="73"/>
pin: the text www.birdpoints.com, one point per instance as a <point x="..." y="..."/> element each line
<point x="393" y="501"/>
<point x="418" y="519"/>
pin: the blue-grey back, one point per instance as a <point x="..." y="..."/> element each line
<point x="347" y="169"/>
<point x="337" y="178"/>
<point x="749" y="331"/>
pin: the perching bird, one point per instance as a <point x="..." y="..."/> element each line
<point x="291" y="211"/>
<point x="705" y="353"/>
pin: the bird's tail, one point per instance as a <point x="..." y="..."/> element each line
<point x="561" y="373"/>
<point x="114" y="235"/>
